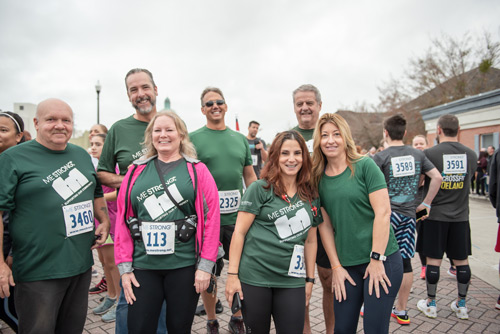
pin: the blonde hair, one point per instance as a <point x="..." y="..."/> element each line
<point x="185" y="148"/>
<point x="318" y="157"/>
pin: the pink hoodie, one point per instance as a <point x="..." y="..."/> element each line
<point x="206" y="206"/>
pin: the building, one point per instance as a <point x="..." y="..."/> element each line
<point x="27" y="111"/>
<point x="479" y="118"/>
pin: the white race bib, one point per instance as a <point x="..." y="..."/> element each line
<point x="403" y="166"/>
<point x="310" y="145"/>
<point x="297" y="264"/>
<point x="229" y="201"/>
<point x="79" y="218"/>
<point x="158" y="237"/>
<point x="255" y="159"/>
<point x="455" y="163"/>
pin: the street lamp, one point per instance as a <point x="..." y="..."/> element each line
<point x="98" y="90"/>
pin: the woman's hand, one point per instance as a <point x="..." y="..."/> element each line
<point x="376" y="271"/>
<point x="309" y="289"/>
<point x="201" y="280"/>
<point x="233" y="285"/>
<point x="339" y="275"/>
<point x="127" y="280"/>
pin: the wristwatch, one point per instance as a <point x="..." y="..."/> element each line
<point x="377" y="256"/>
<point x="310" y="280"/>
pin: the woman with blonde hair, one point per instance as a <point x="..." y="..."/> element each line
<point x="357" y="234"/>
<point x="167" y="235"/>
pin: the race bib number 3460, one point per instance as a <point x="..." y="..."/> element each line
<point x="229" y="201"/>
<point x="79" y="218"/>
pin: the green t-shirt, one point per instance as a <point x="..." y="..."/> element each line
<point x="270" y="242"/>
<point x="308" y="137"/>
<point x="346" y="200"/>
<point x="122" y="145"/>
<point x="151" y="204"/>
<point x="50" y="198"/>
<point x="226" y="153"/>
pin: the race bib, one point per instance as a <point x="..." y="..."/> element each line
<point x="297" y="265"/>
<point x="229" y="201"/>
<point x="455" y="163"/>
<point x="310" y="146"/>
<point x="158" y="237"/>
<point x="255" y="159"/>
<point x="79" y="218"/>
<point x="403" y="166"/>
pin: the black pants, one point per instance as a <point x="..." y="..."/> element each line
<point x="285" y="305"/>
<point x="176" y="287"/>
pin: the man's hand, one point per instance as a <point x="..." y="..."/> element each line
<point x="6" y="279"/>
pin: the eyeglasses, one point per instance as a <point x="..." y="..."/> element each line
<point x="209" y="104"/>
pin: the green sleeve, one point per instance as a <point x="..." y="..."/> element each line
<point x="248" y="155"/>
<point x="374" y="178"/>
<point x="107" y="162"/>
<point x="8" y="183"/>
<point x="253" y="198"/>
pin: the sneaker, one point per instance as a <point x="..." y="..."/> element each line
<point x="94" y="273"/>
<point x="200" y="310"/>
<point x="110" y="316"/>
<point x="104" y="307"/>
<point x="422" y="272"/>
<point x="452" y="271"/>
<point x="401" y="319"/>
<point x="236" y="326"/>
<point x="497" y="306"/>
<point x="429" y="309"/>
<point x="460" y="309"/>
<point x="100" y="287"/>
<point x="213" y="327"/>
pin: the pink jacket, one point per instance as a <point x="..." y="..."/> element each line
<point x="206" y="206"/>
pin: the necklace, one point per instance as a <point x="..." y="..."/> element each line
<point x="287" y="199"/>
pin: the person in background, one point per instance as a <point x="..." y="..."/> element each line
<point x="356" y="233"/>
<point x="482" y="165"/>
<point x="494" y="195"/>
<point x="171" y="256"/>
<point x="257" y="147"/>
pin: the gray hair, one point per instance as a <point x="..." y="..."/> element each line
<point x="308" y="88"/>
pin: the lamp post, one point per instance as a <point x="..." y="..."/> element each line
<point x="98" y="90"/>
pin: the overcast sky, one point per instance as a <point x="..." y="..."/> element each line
<point x="256" y="51"/>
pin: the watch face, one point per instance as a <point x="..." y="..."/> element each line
<point x="375" y="256"/>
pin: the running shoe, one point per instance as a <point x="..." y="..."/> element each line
<point x="104" y="307"/>
<point x="460" y="309"/>
<point x="200" y="310"/>
<point x="100" y="287"/>
<point x="94" y="273"/>
<point x="452" y="271"/>
<point x="422" y="272"/>
<point x="110" y="316"/>
<point x="212" y="327"/>
<point x="497" y="306"/>
<point x="401" y="319"/>
<point x="429" y="309"/>
<point x="236" y="326"/>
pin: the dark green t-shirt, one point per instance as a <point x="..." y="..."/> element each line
<point x="308" y="137"/>
<point x="346" y="200"/>
<point x="151" y="204"/>
<point x="270" y="242"/>
<point x="50" y="198"/>
<point x="122" y="145"/>
<point x="226" y="153"/>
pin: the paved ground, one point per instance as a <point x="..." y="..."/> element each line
<point x="483" y="292"/>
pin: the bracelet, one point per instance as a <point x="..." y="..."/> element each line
<point x="232" y="274"/>
<point x="426" y="205"/>
<point x="333" y="268"/>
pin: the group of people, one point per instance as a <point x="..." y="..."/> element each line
<point x="176" y="210"/>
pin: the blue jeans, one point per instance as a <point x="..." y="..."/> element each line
<point x="122" y="314"/>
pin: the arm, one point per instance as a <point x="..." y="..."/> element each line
<point x="339" y="274"/>
<point x="310" y="250"/>
<point x="110" y="197"/>
<point x="243" y="224"/>
<point x="263" y="152"/>
<point x="110" y="179"/>
<point x="381" y="205"/>
<point x="249" y="175"/>
<point x="101" y="213"/>
<point x="6" y="278"/>
<point x="434" y="186"/>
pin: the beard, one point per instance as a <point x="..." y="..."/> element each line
<point x="144" y="111"/>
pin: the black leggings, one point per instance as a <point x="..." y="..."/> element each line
<point x="377" y="312"/>
<point x="176" y="287"/>
<point x="285" y="305"/>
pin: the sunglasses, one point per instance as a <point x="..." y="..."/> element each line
<point x="209" y="104"/>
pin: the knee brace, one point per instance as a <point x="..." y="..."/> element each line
<point x="431" y="278"/>
<point x="463" y="280"/>
<point x="407" y="266"/>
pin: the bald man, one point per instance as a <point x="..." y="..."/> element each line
<point x="52" y="192"/>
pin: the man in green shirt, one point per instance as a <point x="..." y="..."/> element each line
<point x="227" y="155"/>
<point x="52" y="192"/>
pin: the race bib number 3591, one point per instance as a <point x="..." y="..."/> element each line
<point x="79" y="218"/>
<point x="229" y="201"/>
<point x="455" y="163"/>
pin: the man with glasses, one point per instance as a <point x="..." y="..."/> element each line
<point x="227" y="155"/>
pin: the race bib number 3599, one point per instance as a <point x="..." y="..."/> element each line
<point x="455" y="163"/>
<point x="79" y="218"/>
